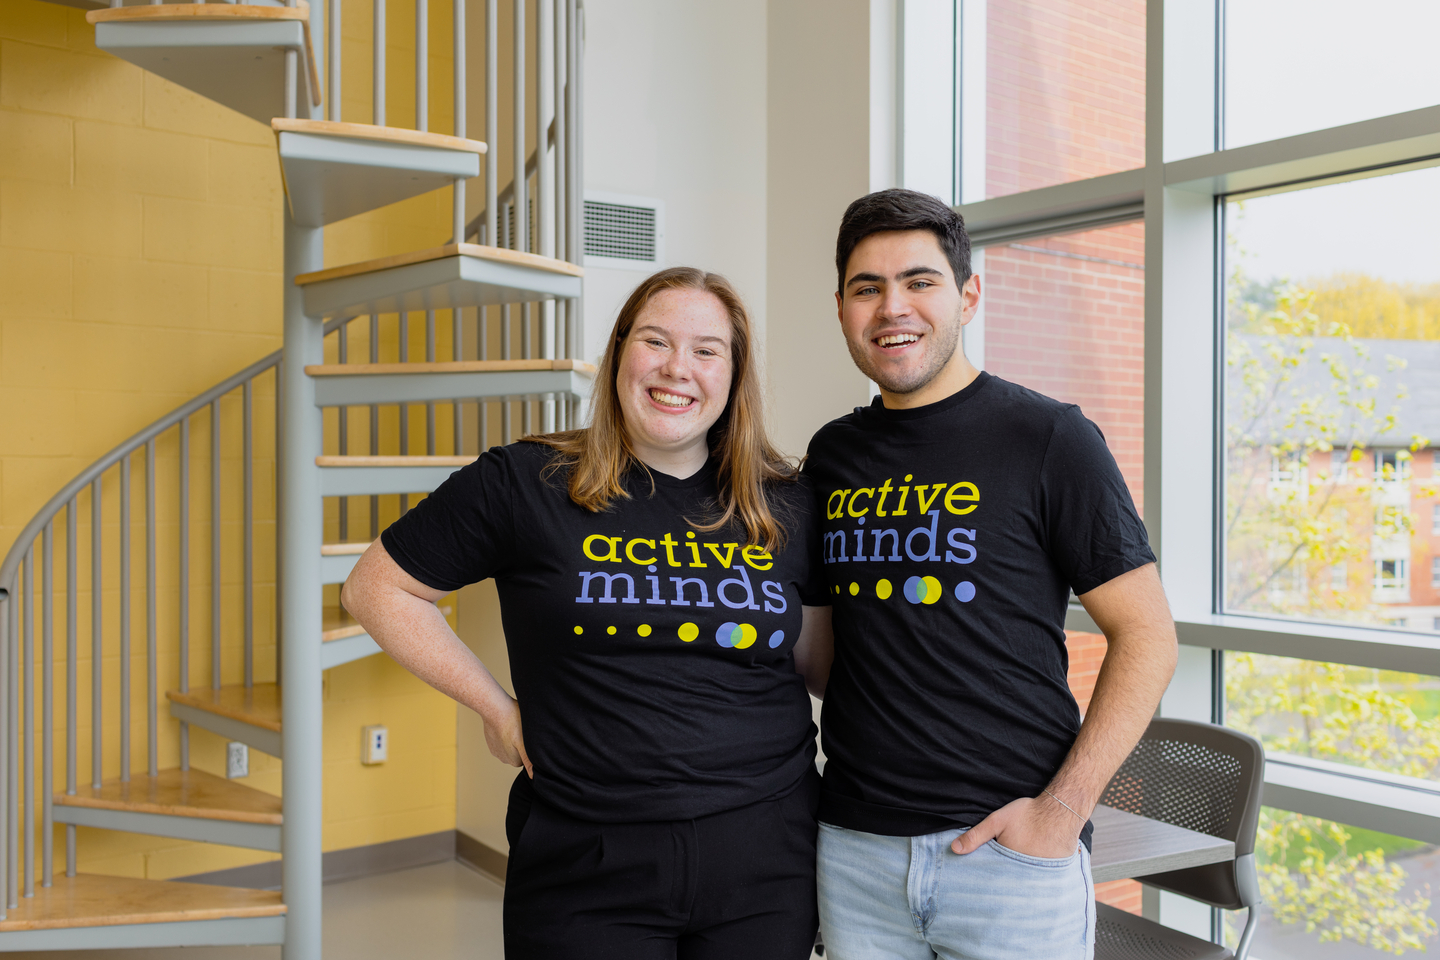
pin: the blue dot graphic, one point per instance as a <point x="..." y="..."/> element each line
<point x="777" y="638"/>
<point x="964" y="591"/>
<point x="725" y="635"/>
<point x="914" y="590"/>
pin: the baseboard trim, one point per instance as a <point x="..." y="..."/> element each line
<point x="486" y="859"/>
<point x="353" y="862"/>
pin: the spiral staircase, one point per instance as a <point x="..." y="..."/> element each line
<point x="514" y="292"/>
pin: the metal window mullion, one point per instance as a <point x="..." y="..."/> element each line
<point x="377" y="110"/>
<point x="342" y="416"/>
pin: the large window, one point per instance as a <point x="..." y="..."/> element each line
<point x="1293" y="67"/>
<point x="1253" y="318"/>
<point x="1331" y="360"/>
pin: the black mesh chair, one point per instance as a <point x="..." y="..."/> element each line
<point x="1208" y="779"/>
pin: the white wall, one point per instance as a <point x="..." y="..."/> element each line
<point x="675" y="108"/>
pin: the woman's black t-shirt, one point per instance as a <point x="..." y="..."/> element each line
<point x="652" y="662"/>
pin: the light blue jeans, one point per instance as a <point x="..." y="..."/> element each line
<point x="912" y="898"/>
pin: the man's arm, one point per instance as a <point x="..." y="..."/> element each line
<point x="1140" y="658"/>
<point x="399" y="613"/>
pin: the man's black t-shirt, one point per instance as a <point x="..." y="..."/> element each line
<point x="953" y="535"/>
<point x="652" y="662"/>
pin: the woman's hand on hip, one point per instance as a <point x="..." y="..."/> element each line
<point x="505" y="739"/>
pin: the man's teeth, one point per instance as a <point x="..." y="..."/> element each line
<point x="895" y="339"/>
<point x="670" y="399"/>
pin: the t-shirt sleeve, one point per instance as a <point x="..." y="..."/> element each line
<point x="806" y="534"/>
<point x="462" y="532"/>
<point x="1092" y="529"/>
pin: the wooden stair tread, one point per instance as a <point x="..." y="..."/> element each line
<point x="395" y="461"/>
<point x="338" y="624"/>
<point x="199" y="11"/>
<point x="531" y="260"/>
<point x="258" y="706"/>
<point x="448" y="366"/>
<point x="91" y="900"/>
<point x="180" y="793"/>
<point x="368" y="131"/>
<point x="344" y="549"/>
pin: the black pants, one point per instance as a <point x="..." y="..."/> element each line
<point x="738" y="885"/>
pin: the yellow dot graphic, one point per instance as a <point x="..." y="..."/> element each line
<point x="644" y="630"/>
<point x="883" y="589"/>
<point x="743" y="636"/>
<point x="908" y="477"/>
<point x="579" y="630"/>
<point x="690" y="534"/>
<point x="837" y="588"/>
<point x="688" y="632"/>
<point x="932" y="590"/>
<point x="854" y="589"/>
<point x="610" y="630"/>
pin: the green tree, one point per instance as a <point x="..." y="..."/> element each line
<point x="1308" y="871"/>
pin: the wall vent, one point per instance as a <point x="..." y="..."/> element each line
<point x="624" y="232"/>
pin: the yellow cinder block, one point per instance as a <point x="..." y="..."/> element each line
<point x="48" y="216"/>
<point x="172" y="107"/>
<point x="111" y="156"/>
<point x="33" y="22"/>
<point x="36" y="284"/>
<point x="191" y="858"/>
<point x="245" y="174"/>
<point x="41" y="144"/>
<point x="36" y="422"/>
<point x="142" y="292"/>
<point x="190" y="232"/>
<point x="95" y="87"/>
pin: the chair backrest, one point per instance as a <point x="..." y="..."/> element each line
<point x="1206" y="778"/>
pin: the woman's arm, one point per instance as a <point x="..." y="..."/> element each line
<point x="815" y="650"/>
<point x="399" y="613"/>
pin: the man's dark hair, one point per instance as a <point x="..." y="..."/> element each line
<point x="897" y="209"/>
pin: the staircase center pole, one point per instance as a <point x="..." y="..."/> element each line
<point x="300" y="607"/>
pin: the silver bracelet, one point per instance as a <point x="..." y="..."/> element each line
<point x="1062" y="803"/>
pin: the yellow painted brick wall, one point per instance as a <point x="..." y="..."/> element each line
<point x="140" y="263"/>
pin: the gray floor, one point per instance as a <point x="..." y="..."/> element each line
<point x="441" y="911"/>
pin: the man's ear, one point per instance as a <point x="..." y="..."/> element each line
<point x="969" y="298"/>
<point x="839" y="306"/>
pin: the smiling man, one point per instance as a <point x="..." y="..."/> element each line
<point x="961" y="510"/>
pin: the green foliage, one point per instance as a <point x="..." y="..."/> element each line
<point x="1308" y="871"/>
<point x="1308" y="875"/>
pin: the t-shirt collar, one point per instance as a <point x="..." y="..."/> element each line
<point x="704" y="475"/>
<point x="878" y="411"/>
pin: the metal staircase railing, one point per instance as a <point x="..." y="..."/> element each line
<point x="339" y="461"/>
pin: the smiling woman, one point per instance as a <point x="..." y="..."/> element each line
<point x="664" y="616"/>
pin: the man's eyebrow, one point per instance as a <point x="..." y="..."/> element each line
<point x="865" y="278"/>
<point x="902" y="275"/>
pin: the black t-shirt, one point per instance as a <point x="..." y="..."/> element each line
<point x="652" y="662"/>
<point x="953" y="535"/>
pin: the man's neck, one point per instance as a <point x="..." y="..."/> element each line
<point x="955" y="376"/>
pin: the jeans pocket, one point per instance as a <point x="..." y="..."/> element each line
<point x="1049" y="862"/>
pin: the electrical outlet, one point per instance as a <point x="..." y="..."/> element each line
<point x="237" y="760"/>
<point x="375" y="745"/>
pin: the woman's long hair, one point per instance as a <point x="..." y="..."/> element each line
<point x="599" y="455"/>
